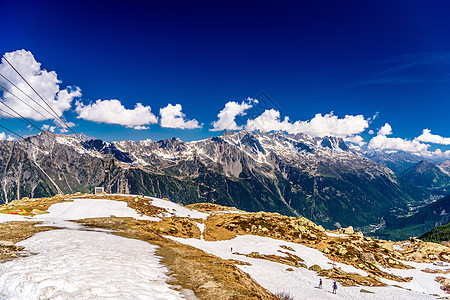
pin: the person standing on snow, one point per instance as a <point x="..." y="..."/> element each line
<point x="334" y="287"/>
<point x="320" y="283"/>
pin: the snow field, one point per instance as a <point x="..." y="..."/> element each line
<point x="76" y="263"/>
<point x="91" y="208"/>
<point x="303" y="283"/>
<point x="9" y="218"/>
<point x="57" y="271"/>
<point x="73" y="264"/>
<point x="422" y="282"/>
<point x="80" y="209"/>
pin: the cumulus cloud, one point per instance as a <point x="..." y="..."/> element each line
<point x="227" y="116"/>
<point x="141" y="127"/>
<point x="382" y="142"/>
<point x="48" y="127"/>
<point x="428" y="137"/>
<point x="113" y="112"/>
<point x="330" y="124"/>
<point x="46" y="83"/>
<point x="355" y="139"/>
<point x="269" y="120"/>
<point x="4" y="137"/>
<point x="417" y="146"/>
<point x="320" y="125"/>
<point x="172" y="117"/>
<point x="371" y="132"/>
<point x="62" y="125"/>
<point x="386" y="129"/>
<point x="440" y="153"/>
<point x="376" y="115"/>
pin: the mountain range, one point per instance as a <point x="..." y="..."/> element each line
<point x="319" y="178"/>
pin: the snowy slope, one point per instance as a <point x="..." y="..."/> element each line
<point x="175" y="209"/>
<point x="302" y="283"/>
<point x="72" y="264"/>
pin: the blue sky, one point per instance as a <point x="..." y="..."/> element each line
<point x="357" y="58"/>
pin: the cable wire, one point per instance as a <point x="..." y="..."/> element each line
<point x="26" y="140"/>
<point x="10" y="114"/>
<point x="22" y="117"/>
<point x="6" y="90"/>
<point x="11" y="122"/>
<point x="28" y="97"/>
<point x="64" y="122"/>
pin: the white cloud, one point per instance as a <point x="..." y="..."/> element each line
<point x="386" y="129"/>
<point x="140" y="127"/>
<point x="439" y="153"/>
<point x="374" y="117"/>
<point x="227" y="116"/>
<point x="4" y="137"/>
<point x="355" y="139"/>
<point x="62" y="125"/>
<point x="269" y="120"/>
<point x="320" y="125"/>
<point x="384" y="143"/>
<point x="113" y="112"/>
<point x="63" y="130"/>
<point x="428" y="137"/>
<point x="172" y="117"/>
<point x="46" y="83"/>
<point x="330" y="124"/>
<point x="371" y="132"/>
<point x="48" y="127"/>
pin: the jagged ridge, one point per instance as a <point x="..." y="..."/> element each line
<point x="319" y="178"/>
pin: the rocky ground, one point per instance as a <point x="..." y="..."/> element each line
<point x="211" y="277"/>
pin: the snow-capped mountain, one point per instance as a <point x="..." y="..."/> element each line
<point x="320" y="178"/>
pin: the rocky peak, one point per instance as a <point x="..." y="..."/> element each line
<point x="107" y="148"/>
<point x="173" y="144"/>
<point x="249" y="141"/>
<point x="44" y="139"/>
<point x="424" y="165"/>
<point x="445" y="166"/>
<point x="334" y="143"/>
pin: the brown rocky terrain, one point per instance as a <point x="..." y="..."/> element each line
<point x="211" y="207"/>
<point x="290" y="259"/>
<point x="33" y="207"/>
<point x="13" y="232"/>
<point x="208" y="275"/>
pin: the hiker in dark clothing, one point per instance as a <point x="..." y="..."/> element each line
<point x="334" y="287"/>
<point x="320" y="283"/>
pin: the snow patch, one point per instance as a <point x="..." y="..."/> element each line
<point x="201" y="227"/>
<point x="177" y="209"/>
<point x="335" y="234"/>
<point x="73" y="264"/>
<point x="303" y="283"/>
<point x="90" y="208"/>
<point x="9" y="218"/>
